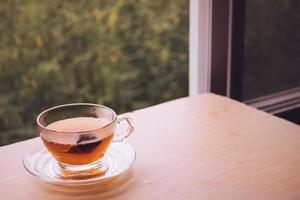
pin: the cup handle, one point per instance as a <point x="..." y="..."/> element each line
<point x="124" y="128"/>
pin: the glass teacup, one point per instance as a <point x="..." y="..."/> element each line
<point x="78" y="135"/>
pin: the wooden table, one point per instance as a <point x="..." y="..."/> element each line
<point x="203" y="147"/>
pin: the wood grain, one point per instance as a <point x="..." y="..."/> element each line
<point x="203" y="147"/>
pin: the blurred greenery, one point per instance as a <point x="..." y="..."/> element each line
<point x="124" y="54"/>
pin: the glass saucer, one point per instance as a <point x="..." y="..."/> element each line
<point x="118" y="158"/>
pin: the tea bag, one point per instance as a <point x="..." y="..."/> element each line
<point x="84" y="147"/>
<point x="83" y="138"/>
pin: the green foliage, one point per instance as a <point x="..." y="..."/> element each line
<point x="124" y="54"/>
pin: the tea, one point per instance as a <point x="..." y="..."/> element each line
<point x="79" y="140"/>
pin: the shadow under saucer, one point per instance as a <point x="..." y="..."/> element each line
<point x="111" y="187"/>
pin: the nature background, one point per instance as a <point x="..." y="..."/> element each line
<point x="126" y="54"/>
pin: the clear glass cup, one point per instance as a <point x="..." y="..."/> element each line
<point x="78" y="135"/>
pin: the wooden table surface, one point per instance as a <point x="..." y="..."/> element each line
<point x="202" y="147"/>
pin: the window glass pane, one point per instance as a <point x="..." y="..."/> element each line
<point x="272" y="47"/>
<point x="123" y="54"/>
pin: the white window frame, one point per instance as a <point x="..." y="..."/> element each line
<point x="210" y="47"/>
<point x="200" y="46"/>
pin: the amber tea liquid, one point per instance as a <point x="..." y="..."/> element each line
<point x="78" y="149"/>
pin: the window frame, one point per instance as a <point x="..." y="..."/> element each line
<point x="200" y="46"/>
<point x="216" y="55"/>
<point x="210" y="47"/>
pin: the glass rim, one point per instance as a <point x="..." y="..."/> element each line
<point x="75" y="104"/>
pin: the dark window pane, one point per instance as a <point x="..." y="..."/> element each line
<point x="272" y="47"/>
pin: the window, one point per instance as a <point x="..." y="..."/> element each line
<point x="251" y="54"/>
<point x="272" y="47"/>
<point x="265" y="49"/>
<point x="124" y="54"/>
